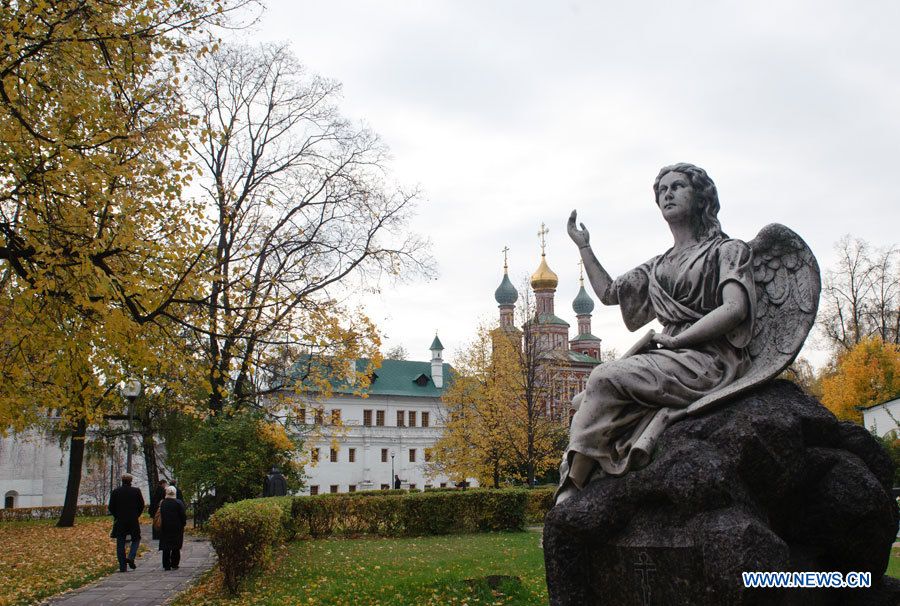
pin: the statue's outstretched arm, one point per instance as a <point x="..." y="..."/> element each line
<point x="598" y="277"/>
<point x="733" y="310"/>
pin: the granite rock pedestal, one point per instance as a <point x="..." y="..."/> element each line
<point x="771" y="481"/>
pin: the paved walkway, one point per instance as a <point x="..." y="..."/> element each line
<point x="149" y="584"/>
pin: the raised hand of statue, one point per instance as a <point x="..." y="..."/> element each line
<point x="581" y="237"/>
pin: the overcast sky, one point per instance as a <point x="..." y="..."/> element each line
<point x="511" y="113"/>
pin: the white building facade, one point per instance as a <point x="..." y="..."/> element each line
<point x="884" y="418"/>
<point x="370" y="443"/>
<point x="34" y="471"/>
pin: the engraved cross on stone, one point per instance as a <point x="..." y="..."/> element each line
<point x="543" y="232"/>
<point x="644" y="568"/>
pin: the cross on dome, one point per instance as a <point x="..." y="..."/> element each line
<point x="541" y="233"/>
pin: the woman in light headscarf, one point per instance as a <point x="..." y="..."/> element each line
<point x="171" y="532"/>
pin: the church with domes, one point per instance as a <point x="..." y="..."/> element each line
<point x="566" y="361"/>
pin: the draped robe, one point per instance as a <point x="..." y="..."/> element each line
<point x="622" y="411"/>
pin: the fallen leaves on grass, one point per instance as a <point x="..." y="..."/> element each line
<point x="429" y="571"/>
<point x="38" y="559"/>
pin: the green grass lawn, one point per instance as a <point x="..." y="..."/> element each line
<point x="893" y="568"/>
<point x="427" y="571"/>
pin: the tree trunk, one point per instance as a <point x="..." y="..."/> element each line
<point x="149" y="446"/>
<point x="73" y="485"/>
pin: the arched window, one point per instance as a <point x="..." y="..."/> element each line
<point x="9" y="501"/>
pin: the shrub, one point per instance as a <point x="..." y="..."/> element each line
<point x="367" y="493"/>
<point x="357" y="514"/>
<point x="496" y="510"/>
<point x="409" y="514"/>
<point x="287" y="528"/>
<point x="242" y="534"/>
<point x="464" y="511"/>
<point x="539" y="502"/>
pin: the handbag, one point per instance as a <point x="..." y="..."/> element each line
<point x="157" y="520"/>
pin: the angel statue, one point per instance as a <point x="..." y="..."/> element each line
<point x="734" y="314"/>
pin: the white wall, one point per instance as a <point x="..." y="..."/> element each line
<point x="879" y="418"/>
<point x="33" y="465"/>
<point x="368" y="472"/>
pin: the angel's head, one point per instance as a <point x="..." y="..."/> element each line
<point x="704" y="200"/>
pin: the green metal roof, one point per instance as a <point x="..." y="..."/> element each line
<point x="436" y="344"/>
<point x="548" y="319"/>
<point x="398" y="378"/>
<point x="575" y="356"/>
<point x="393" y="378"/>
<point x="564" y="356"/>
<point x="586" y="337"/>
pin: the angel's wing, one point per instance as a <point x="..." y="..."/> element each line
<point x="787" y="298"/>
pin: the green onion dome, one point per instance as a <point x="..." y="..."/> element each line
<point x="583" y="304"/>
<point x="506" y="293"/>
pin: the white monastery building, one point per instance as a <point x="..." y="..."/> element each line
<point x="388" y="434"/>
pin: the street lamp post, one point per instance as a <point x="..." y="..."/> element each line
<point x="392" y="485"/>
<point x="131" y="390"/>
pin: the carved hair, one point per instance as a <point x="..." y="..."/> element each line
<point x="705" y="203"/>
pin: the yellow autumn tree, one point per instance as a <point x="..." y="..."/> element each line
<point x="94" y="231"/>
<point x="93" y="150"/>
<point x="61" y="371"/>
<point x="97" y="241"/>
<point x="497" y="428"/>
<point x="527" y="379"/>
<point x="867" y="374"/>
<point x="472" y="445"/>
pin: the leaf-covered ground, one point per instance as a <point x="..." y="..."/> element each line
<point x="427" y="571"/>
<point x="37" y="559"/>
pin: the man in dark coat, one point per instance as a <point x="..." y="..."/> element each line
<point x="159" y="493"/>
<point x="275" y="485"/>
<point x="171" y="533"/>
<point x="126" y="504"/>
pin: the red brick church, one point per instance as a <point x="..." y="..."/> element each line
<point x="570" y="360"/>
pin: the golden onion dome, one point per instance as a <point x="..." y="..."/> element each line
<point x="544" y="277"/>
